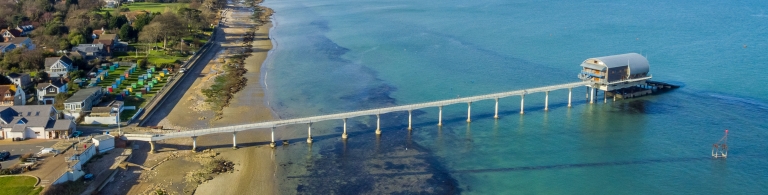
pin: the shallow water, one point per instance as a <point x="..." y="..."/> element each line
<point x="341" y="55"/>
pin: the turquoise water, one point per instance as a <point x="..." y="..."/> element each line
<point x="343" y="55"/>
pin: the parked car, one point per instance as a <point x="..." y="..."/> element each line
<point x="76" y="134"/>
<point x="4" y="155"/>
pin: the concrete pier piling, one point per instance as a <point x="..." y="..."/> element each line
<point x="378" y="124"/>
<point x="592" y="95"/>
<point x="151" y="147"/>
<point x="344" y="135"/>
<point x="440" y="116"/>
<point x="469" y="112"/>
<point x="309" y="133"/>
<point x="194" y="143"/>
<point x="234" y="140"/>
<point x="496" y="111"/>
<point x="272" y="144"/>
<point x="546" y="101"/>
<point x="409" y="119"/>
<point x="522" y="104"/>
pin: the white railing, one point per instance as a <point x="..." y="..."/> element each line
<point x="345" y="115"/>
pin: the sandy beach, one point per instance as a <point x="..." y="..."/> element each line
<point x="247" y="106"/>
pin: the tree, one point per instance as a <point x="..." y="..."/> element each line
<point x="166" y="26"/>
<point x="76" y="38"/>
<point x="117" y="21"/>
<point x="126" y="32"/>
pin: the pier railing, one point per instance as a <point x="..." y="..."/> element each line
<point x="343" y="116"/>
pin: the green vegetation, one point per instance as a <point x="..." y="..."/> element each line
<point x="19" y="185"/>
<point x="149" y="7"/>
<point x="227" y="84"/>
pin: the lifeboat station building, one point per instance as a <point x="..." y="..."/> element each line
<point x="617" y="75"/>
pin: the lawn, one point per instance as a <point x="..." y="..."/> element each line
<point x="155" y="57"/>
<point x="150" y="7"/>
<point x="132" y="100"/>
<point x="19" y="185"/>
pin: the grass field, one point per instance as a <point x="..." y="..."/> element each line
<point x="150" y="7"/>
<point x="19" y="185"/>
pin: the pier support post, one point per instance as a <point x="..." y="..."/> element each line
<point x="522" y="104"/>
<point x="194" y="143"/>
<point x="234" y="140"/>
<point x="409" y="120"/>
<point x="546" y="101"/>
<point x="378" y="124"/>
<point x="272" y="144"/>
<point x="469" y="112"/>
<point x="605" y="96"/>
<point x="614" y="96"/>
<point x="592" y="96"/>
<point x="344" y="135"/>
<point x="570" y="91"/>
<point x="309" y="133"/>
<point x="496" y="112"/>
<point x="440" y="117"/>
<point x="151" y="147"/>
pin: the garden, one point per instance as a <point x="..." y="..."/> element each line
<point x="19" y="185"/>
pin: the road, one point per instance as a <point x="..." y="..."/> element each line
<point x="174" y="96"/>
<point x="22" y="147"/>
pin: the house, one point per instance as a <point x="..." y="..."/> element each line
<point x="6" y="47"/>
<point x="82" y="101"/>
<point x="12" y="96"/>
<point x="46" y="92"/>
<point x="9" y="34"/>
<point x="105" y="113"/>
<point x="90" y="51"/>
<point x="58" y="66"/>
<point x="96" y="33"/>
<point x="104" y="142"/>
<point x="22" y="42"/>
<point x="33" y="122"/>
<point x="109" y="40"/>
<point x="111" y="3"/>
<point x="20" y="79"/>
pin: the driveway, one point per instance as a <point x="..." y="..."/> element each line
<point x="22" y="147"/>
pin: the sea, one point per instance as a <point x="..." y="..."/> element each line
<point x="333" y="56"/>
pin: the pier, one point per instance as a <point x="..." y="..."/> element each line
<point x="620" y="76"/>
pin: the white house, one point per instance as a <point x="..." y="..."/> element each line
<point x="104" y="143"/>
<point x="46" y="92"/>
<point x="58" y="66"/>
<point x="33" y="122"/>
<point x="82" y="101"/>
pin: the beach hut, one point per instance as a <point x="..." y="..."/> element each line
<point x="114" y="86"/>
<point x="149" y="74"/>
<point x="141" y="81"/>
<point x="162" y="74"/>
<point x="109" y="89"/>
<point x="151" y="85"/>
<point x="144" y="90"/>
<point x="165" y="71"/>
<point x="130" y="89"/>
<point x="138" y="94"/>
<point x="133" y="85"/>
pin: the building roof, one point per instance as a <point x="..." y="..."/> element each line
<point x="14" y="32"/>
<point x="17" y="75"/>
<point x="31" y="115"/>
<point x="54" y="82"/>
<point x="89" y="48"/>
<point x="18" y="40"/>
<point x="5" y="45"/>
<point x="636" y="62"/>
<point x="52" y="60"/>
<point x="58" y="125"/>
<point x="82" y="94"/>
<point x="7" y="88"/>
<point x="18" y="128"/>
<point x="101" y="110"/>
<point x="103" y="137"/>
